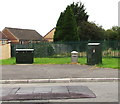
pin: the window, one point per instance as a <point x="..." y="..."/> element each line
<point x="21" y="42"/>
<point x="4" y="42"/>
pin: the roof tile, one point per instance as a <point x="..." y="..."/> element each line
<point x="25" y="34"/>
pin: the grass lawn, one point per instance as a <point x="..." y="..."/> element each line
<point x="106" y="62"/>
<point x="110" y="63"/>
<point x="52" y="60"/>
<point x="10" y="61"/>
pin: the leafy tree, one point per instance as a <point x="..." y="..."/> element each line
<point x="69" y="26"/>
<point x="113" y="33"/>
<point x="90" y="31"/>
<point x="66" y="28"/>
<point x="116" y="29"/>
<point x="110" y="34"/>
<point x="58" y="33"/>
<point x="79" y="12"/>
<point x="73" y="25"/>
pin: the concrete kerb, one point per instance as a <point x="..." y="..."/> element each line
<point x="60" y="80"/>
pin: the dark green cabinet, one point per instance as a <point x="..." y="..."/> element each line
<point x="94" y="53"/>
<point x="24" y="56"/>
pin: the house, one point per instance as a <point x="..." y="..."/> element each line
<point x="22" y="36"/>
<point x="5" y="47"/>
<point x="50" y="35"/>
<point x="3" y="38"/>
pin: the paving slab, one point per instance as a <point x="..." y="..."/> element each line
<point x="43" y="90"/>
<point x="50" y="92"/>
<point x="25" y="91"/>
<point x="59" y="89"/>
<point x="14" y="90"/>
<point x="77" y="91"/>
<point x="6" y="91"/>
<point x="104" y="91"/>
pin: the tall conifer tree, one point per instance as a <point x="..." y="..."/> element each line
<point x="66" y="28"/>
<point x="58" y="32"/>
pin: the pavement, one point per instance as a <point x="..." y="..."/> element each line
<point x="23" y="82"/>
<point x="47" y="93"/>
<point x="25" y="73"/>
<point x="106" y="92"/>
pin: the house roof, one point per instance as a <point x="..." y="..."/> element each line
<point x="25" y="34"/>
<point x="50" y="34"/>
<point x="2" y="36"/>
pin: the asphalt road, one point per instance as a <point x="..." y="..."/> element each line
<point x="104" y="91"/>
<point x="56" y="71"/>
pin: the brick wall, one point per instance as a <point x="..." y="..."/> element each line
<point x="5" y="51"/>
<point x="49" y="37"/>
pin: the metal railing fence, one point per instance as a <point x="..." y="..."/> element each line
<point x="64" y="49"/>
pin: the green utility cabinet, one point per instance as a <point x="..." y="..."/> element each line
<point x="94" y="53"/>
<point x="24" y="56"/>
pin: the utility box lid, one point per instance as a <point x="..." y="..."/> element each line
<point x="93" y="43"/>
<point x="24" y="49"/>
<point x="74" y="52"/>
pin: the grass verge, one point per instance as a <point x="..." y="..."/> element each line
<point x="52" y="60"/>
<point x="106" y="62"/>
<point x="10" y="61"/>
<point x="110" y="63"/>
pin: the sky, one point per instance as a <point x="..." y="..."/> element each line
<point x="42" y="15"/>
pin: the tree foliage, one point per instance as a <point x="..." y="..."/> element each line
<point x="58" y="33"/>
<point x="90" y="31"/>
<point x="79" y="12"/>
<point x="66" y="28"/>
<point x="69" y="26"/>
<point x="113" y="33"/>
<point x="73" y="25"/>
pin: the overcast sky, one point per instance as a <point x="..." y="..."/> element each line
<point x="42" y="15"/>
